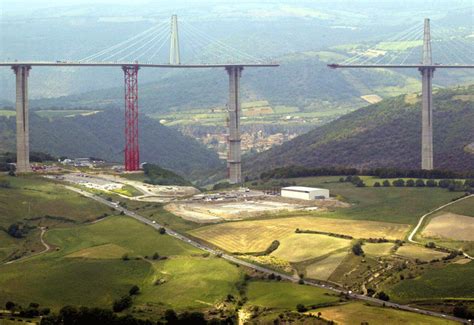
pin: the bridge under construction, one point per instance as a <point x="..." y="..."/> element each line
<point x="149" y="42"/>
<point x="131" y="96"/>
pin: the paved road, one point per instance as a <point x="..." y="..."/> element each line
<point x="235" y="260"/>
<point x="420" y="222"/>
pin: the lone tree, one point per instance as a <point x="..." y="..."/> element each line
<point x="9" y="305"/>
<point x="383" y="296"/>
<point x="301" y="308"/>
<point x="134" y="290"/>
<point x="357" y="249"/>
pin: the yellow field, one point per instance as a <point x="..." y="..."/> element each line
<point x="323" y="269"/>
<point x="301" y="247"/>
<point x="107" y="251"/>
<point x="357" y="313"/>
<point x="381" y="249"/>
<point x="418" y="252"/>
<point x="257" y="235"/>
<point x="450" y="226"/>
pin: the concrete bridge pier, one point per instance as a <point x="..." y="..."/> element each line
<point x="427" y="118"/>
<point x="234" y="153"/>
<point x="22" y="119"/>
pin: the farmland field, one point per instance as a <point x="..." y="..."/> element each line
<point x="285" y="295"/>
<point x="450" y="226"/>
<point x="301" y="247"/>
<point x="454" y="280"/>
<point x="256" y="236"/>
<point x="358" y="313"/>
<point x="323" y="269"/>
<point x="418" y="252"/>
<point x="379" y="249"/>
<point x="190" y="283"/>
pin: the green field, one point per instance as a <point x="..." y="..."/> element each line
<point x="301" y="247"/>
<point x="7" y="113"/>
<point x="285" y="295"/>
<point x="64" y="113"/>
<point x="357" y="313"/>
<point x="45" y="204"/>
<point x="451" y="281"/>
<point x="86" y="271"/>
<point x="190" y="283"/>
<point x="393" y="204"/>
<point x="419" y="252"/>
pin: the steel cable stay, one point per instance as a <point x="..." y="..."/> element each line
<point x="162" y="36"/>
<point x="147" y="38"/>
<point x="158" y="35"/>
<point x="137" y="38"/>
<point x="397" y="37"/>
<point x="220" y="43"/>
<point x="204" y="44"/>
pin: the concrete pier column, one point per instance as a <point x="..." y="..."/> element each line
<point x="234" y="153"/>
<point x="22" y="119"/>
<point x="426" y="119"/>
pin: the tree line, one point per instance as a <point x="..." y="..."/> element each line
<point x="300" y="171"/>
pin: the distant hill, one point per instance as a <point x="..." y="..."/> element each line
<point x="302" y="80"/>
<point x="387" y="134"/>
<point x="102" y="135"/>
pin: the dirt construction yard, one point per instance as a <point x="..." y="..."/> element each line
<point x="450" y="226"/>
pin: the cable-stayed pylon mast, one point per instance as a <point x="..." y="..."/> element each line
<point x="174" y="46"/>
<point x="427" y="101"/>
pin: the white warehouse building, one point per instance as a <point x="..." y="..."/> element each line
<point x="305" y="193"/>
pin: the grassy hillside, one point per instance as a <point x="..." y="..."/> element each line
<point x="387" y="134"/>
<point x="102" y="135"/>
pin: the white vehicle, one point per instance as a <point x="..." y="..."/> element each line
<point x="153" y="222"/>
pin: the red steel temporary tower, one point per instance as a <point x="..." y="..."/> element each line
<point x="132" y="152"/>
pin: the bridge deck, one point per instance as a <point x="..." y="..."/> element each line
<point x="141" y="65"/>
<point x="402" y="66"/>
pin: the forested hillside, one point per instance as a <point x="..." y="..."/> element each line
<point x="102" y="135"/>
<point x="387" y="134"/>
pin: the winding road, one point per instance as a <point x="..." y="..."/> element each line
<point x="422" y="219"/>
<point x="235" y="260"/>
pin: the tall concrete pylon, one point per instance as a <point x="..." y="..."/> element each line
<point x="233" y="107"/>
<point x="427" y="102"/>
<point x="174" y="46"/>
<point x="22" y="119"/>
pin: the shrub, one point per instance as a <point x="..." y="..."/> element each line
<point x="122" y="304"/>
<point x="431" y="183"/>
<point x="410" y="183"/>
<point x="398" y="183"/>
<point x="134" y="290"/>
<point x="9" y="305"/>
<point x="376" y="184"/>
<point x="357" y="249"/>
<point x="420" y="183"/>
<point x="383" y="296"/>
<point x="386" y="183"/>
<point x="301" y="308"/>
